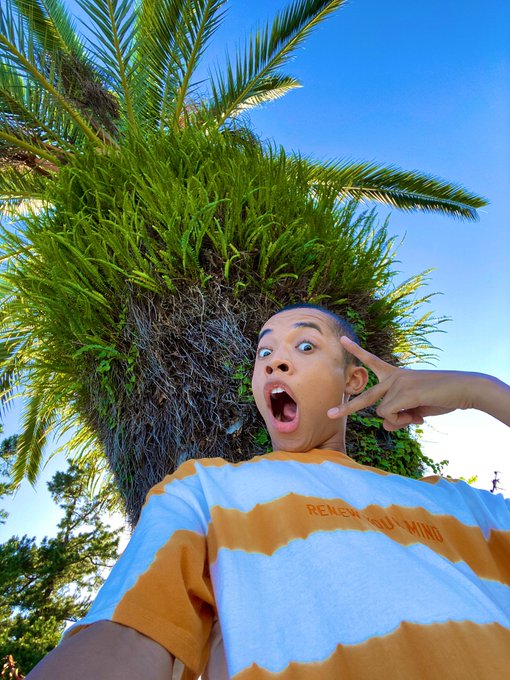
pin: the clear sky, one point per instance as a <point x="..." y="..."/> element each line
<point x="422" y="85"/>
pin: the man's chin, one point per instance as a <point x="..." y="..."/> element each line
<point x="299" y="439"/>
<point x="293" y="441"/>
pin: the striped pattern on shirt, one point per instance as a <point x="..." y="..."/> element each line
<point x="318" y="567"/>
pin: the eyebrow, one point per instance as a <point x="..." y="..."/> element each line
<point x="299" y="324"/>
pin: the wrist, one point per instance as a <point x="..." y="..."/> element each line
<point x="489" y="394"/>
<point x="478" y="391"/>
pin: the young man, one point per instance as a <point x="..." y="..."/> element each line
<point x="302" y="563"/>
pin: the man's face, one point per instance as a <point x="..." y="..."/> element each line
<point x="299" y="374"/>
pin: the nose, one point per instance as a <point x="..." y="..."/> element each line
<point x="278" y="365"/>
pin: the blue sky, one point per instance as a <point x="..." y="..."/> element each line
<point x="422" y="85"/>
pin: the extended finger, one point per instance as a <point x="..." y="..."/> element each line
<point x="368" y="398"/>
<point x="378" y="366"/>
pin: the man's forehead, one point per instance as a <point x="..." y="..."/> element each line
<point x="298" y="318"/>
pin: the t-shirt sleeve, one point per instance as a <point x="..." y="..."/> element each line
<point x="161" y="585"/>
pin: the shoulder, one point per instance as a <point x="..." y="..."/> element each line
<point x="187" y="471"/>
<point x="489" y="509"/>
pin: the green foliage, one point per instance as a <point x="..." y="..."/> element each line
<point x="262" y="441"/>
<point x="44" y="586"/>
<point x="207" y="206"/>
<point x="140" y="189"/>
<point x="7" y="453"/>
<point x="242" y="374"/>
<point x="61" y="93"/>
<point x="399" y="453"/>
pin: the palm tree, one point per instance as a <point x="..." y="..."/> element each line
<point x="153" y="232"/>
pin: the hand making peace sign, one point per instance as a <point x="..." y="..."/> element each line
<point x="408" y="396"/>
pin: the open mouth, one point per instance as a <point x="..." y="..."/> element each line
<point x="283" y="406"/>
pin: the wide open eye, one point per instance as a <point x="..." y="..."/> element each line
<point x="305" y="346"/>
<point x="264" y="352"/>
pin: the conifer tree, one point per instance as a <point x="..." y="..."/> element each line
<point x="46" y="585"/>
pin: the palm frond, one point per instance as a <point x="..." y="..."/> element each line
<point x="7" y="373"/>
<point x="159" y="58"/>
<point x="30" y="109"/>
<point x="16" y="141"/>
<point x="50" y="22"/>
<point x="50" y="25"/>
<point x="37" y="423"/>
<point x="22" y="56"/>
<point x="402" y="189"/>
<point x="199" y="20"/>
<point x="20" y="190"/>
<point x="266" y="51"/>
<point x="168" y="50"/>
<point x="268" y="89"/>
<point x="114" y="27"/>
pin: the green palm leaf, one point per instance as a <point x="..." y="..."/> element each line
<point x="266" y="51"/>
<point x="159" y="57"/>
<point x="31" y="110"/>
<point x="267" y="89"/>
<point x="114" y="27"/>
<point x="51" y="24"/>
<point x="7" y="373"/>
<point x="200" y="19"/>
<point x="402" y="189"/>
<point x="22" y="56"/>
<point x="172" y="38"/>
<point x="36" y="425"/>
<point x="21" y="190"/>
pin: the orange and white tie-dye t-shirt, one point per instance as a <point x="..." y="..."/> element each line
<point x="318" y="567"/>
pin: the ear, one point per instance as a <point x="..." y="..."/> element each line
<point x="356" y="379"/>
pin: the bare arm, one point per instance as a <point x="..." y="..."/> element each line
<point x="494" y="399"/>
<point x="408" y="396"/>
<point x="105" y="651"/>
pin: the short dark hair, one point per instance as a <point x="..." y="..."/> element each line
<point x="340" y="325"/>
